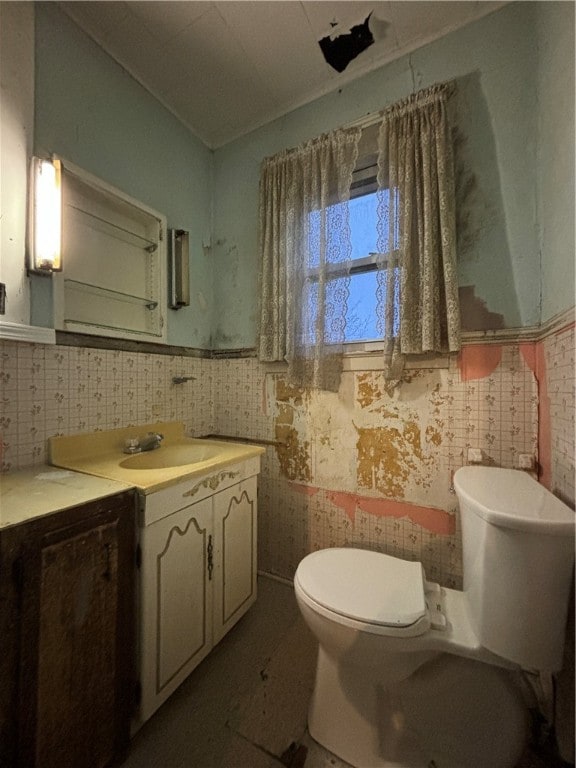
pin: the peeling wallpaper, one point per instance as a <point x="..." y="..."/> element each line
<point x="355" y="467"/>
<point x="361" y="468"/>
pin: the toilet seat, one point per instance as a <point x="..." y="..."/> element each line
<point x="372" y="591"/>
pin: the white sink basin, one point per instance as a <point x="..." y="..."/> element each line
<point x="171" y="456"/>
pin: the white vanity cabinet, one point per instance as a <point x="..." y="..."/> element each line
<point x="197" y="573"/>
<point x="234" y="555"/>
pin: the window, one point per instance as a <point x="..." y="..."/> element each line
<point x="312" y="303"/>
<point x="361" y="215"/>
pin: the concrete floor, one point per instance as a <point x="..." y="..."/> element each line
<point x="247" y="701"/>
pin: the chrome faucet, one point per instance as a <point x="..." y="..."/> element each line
<point x="149" y="442"/>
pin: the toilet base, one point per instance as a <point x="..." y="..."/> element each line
<point x="450" y="713"/>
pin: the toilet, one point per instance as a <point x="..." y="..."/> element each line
<point x="414" y="675"/>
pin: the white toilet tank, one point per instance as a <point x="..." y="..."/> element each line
<point x="518" y="549"/>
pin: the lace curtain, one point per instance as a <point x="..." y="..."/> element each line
<point x="417" y="295"/>
<point x="305" y="250"/>
<point x="305" y="244"/>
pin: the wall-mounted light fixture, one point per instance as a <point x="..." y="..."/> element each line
<point x="179" y="269"/>
<point x="45" y="241"/>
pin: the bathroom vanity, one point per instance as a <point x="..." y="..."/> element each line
<point x="197" y="573"/>
<point x="197" y="542"/>
<point x="67" y="672"/>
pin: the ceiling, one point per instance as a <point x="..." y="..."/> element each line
<point x="226" y="68"/>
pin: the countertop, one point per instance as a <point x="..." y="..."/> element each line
<point x="100" y="454"/>
<point x="41" y="490"/>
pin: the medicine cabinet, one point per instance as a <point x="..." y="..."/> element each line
<point x="113" y="281"/>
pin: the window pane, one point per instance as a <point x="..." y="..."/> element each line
<point x="363" y="218"/>
<point x="309" y="309"/>
<point x="334" y="329"/>
<point x="381" y="298"/>
<point x="366" y="217"/>
<point x="361" y="316"/>
<point x="362" y="322"/>
<point x="382" y="219"/>
<point x="329" y="228"/>
<point x="328" y="235"/>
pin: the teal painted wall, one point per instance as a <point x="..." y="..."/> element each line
<point x="555" y="26"/>
<point x="495" y="63"/>
<point x="514" y="118"/>
<point x="92" y="112"/>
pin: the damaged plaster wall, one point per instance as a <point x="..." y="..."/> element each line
<point x="555" y="25"/>
<point x="359" y="467"/>
<point x="494" y="63"/>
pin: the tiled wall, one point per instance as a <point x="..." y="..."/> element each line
<point x="357" y="467"/>
<point x="55" y="390"/>
<point x="558" y="385"/>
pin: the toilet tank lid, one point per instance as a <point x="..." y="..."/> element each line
<point x="511" y="498"/>
<point x="364" y="585"/>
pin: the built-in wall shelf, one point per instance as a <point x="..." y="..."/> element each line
<point x="113" y="281"/>
<point x="109" y="293"/>
<point x="105" y="308"/>
<point x="114" y="230"/>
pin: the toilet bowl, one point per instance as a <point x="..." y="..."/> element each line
<point x="385" y="689"/>
<point x="413" y="675"/>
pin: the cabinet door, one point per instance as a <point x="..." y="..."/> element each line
<point x="76" y="684"/>
<point x="235" y="538"/>
<point x="176" y="601"/>
<point x="114" y="279"/>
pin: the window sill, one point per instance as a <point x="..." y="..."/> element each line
<point x="367" y="356"/>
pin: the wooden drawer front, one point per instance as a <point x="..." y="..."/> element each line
<point x="182" y="494"/>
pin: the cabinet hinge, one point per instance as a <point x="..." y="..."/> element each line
<point x="138" y="556"/>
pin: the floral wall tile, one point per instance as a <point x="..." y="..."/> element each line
<point x="58" y="390"/>
<point x="559" y="358"/>
<point x="329" y="483"/>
